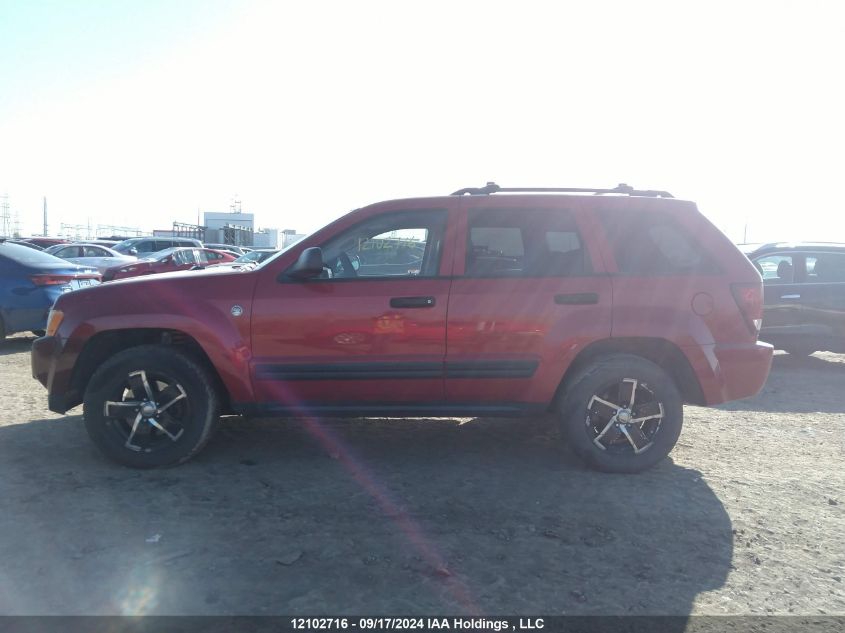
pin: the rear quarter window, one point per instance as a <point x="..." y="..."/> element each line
<point x="654" y="244"/>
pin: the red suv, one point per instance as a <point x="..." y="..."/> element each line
<point x="609" y="311"/>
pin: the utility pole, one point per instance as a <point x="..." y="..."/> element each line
<point x="4" y="215"/>
<point x="45" y="216"/>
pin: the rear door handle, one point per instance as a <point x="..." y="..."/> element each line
<point x="412" y="302"/>
<point x="790" y="296"/>
<point x="577" y="298"/>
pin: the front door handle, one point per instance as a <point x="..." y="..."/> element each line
<point x="790" y="296"/>
<point x="412" y="302"/>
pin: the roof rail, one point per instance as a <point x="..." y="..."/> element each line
<point x="492" y="187"/>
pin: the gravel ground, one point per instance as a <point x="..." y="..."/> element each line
<point x="430" y="516"/>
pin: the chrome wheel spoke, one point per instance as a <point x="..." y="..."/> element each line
<point x="170" y="396"/>
<point x="601" y="401"/>
<point x="140" y="386"/>
<point x="121" y="410"/>
<point x="155" y="423"/>
<point x="650" y="411"/>
<point x="628" y="392"/>
<point x="635" y="437"/>
<point x="610" y="432"/>
<point x="129" y="444"/>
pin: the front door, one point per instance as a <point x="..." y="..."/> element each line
<point x="369" y="335"/>
<point x="783" y="316"/>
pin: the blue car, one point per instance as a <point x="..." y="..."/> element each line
<point x="30" y="282"/>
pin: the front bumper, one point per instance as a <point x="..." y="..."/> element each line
<point x="46" y="361"/>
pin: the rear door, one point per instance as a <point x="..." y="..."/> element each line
<point x="823" y="297"/>
<point x="528" y="290"/>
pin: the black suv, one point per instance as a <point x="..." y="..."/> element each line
<point x="804" y="295"/>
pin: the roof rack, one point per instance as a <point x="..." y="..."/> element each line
<point x="492" y="187"/>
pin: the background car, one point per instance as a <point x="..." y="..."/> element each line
<point x="103" y="242"/>
<point x="30" y="282"/>
<point x="168" y="260"/>
<point x="45" y="242"/>
<point x="144" y="246"/>
<point x="27" y="244"/>
<point x="226" y="248"/>
<point x="804" y="295"/>
<point x="253" y="257"/>
<point x="100" y="257"/>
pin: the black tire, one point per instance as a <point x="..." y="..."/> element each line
<point x="169" y="436"/>
<point x="592" y="429"/>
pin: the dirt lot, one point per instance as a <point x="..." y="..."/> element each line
<point x="430" y="516"/>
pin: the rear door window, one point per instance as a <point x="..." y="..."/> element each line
<point x="825" y="268"/>
<point x="523" y="243"/>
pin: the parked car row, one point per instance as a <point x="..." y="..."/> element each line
<point x="33" y="275"/>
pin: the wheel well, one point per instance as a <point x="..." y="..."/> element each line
<point x="104" y="345"/>
<point x="661" y="352"/>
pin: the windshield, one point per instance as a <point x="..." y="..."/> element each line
<point x="124" y="246"/>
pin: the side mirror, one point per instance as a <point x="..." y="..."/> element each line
<point x="309" y="264"/>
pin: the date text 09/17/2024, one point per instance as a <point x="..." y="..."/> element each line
<point x="419" y="624"/>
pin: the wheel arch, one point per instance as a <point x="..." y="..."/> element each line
<point x="663" y="353"/>
<point x="104" y="345"/>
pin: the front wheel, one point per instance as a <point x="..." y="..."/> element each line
<point x="622" y="414"/>
<point x="150" y="406"/>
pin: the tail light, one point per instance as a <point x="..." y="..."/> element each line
<point x="749" y="298"/>
<point x="51" y="280"/>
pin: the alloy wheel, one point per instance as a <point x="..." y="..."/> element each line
<point x="624" y="417"/>
<point x="150" y="411"/>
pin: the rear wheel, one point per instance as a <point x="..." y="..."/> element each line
<point x="150" y="406"/>
<point x="622" y="414"/>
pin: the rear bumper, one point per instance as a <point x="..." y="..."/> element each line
<point x="733" y="372"/>
<point x="46" y="359"/>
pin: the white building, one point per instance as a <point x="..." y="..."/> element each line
<point x="274" y="238"/>
<point x="239" y="226"/>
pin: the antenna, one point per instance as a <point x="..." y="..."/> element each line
<point x="45" y="216"/>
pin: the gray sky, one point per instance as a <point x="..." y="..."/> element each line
<point x="138" y="114"/>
